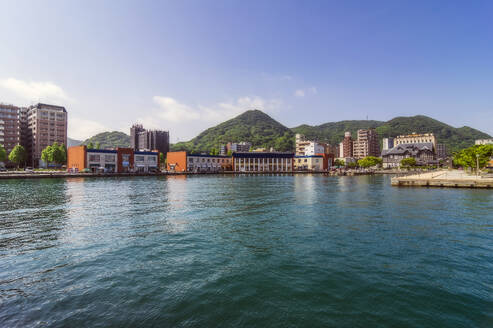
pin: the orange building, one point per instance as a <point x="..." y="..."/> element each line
<point x="181" y="161"/>
<point x="119" y="160"/>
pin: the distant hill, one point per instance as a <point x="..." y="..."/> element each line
<point x="453" y="138"/>
<point x="254" y="126"/>
<point x="109" y="139"/>
<point x="263" y="131"/>
<point x="333" y="132"/>
<point x="73" y="142"/>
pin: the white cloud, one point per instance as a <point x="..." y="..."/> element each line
<point x="185" y="121"/>
<point x="300" y="93"/>
<point x="81" y="129"/>
<point x="35" y="91"/>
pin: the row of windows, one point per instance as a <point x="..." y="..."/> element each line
<point x="213" y="160"/>
<point x="306" y="160"/>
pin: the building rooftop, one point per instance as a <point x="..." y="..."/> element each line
<point x="412" y="148"/>
<point x="263" y="155"/>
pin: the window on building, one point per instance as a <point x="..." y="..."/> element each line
<point x="152" y="159"/>
<point x="109" y="158"/>
<point x="190" y="160"/>
<point x="94" y="158"/>
<point x="139" y="158"/>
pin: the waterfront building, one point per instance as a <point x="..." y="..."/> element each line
<point x="223" y="150"/>
<point x="306" y="147"/>
<point x="44" y="125"/>
<point x="311" y="163"/>
<point x="35" y="128"/>
<point x="10" y="127"/>
<point x="441" y="151"/>
<point x="346" y="146"/>
<point x="367" y="144"/>
<point x="263" y="161"/>
<point x="181" y="161"/>
<point x="147" y="140"/>
<point x="422" y="152"/>
<point x="415" y="138"/>
<point x="483" y="142"/>
<point x="119" y="160"/>
<point x="388" y="143"/>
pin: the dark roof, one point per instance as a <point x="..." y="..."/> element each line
<point x="413" y="149"/>
<point x="40" y="105"/>
<point x="262" y="155"/>
<point x="146" y="153"/>
<point x="308" y="156"/>
<point x="106" y="151"/>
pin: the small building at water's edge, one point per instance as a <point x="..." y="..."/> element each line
<point x="262" y="162"/>
<point x="181" y="161"/>
<point x="119" y="160"/>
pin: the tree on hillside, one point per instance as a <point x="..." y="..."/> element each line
<point x="470" y="157"/>
<point x="214" y="152"/>
<point x="162" y="160"/>
<point x="369" y="161"/>
<point x="3" y="154"/>
<point x="18" y="155"/>
<point x="90" y="145"/>
<point x="98" y="145"/>
<point x="230" y="153"/>
<point x="408" y="162"/>
<point x="285" y="143"/>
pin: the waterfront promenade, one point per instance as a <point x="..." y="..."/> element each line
<point x="444" y="178"/>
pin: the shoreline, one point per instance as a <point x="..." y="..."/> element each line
<point x="42" y="175"/>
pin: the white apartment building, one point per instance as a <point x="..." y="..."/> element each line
<point x="308" y="148"/>
<point x="484" y="142"/>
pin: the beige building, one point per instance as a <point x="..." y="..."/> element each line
<point x="415" y="138"/>
<point x="367" y="144"/>
<point x="310" y="163"/>
<point x="46" y="124"/>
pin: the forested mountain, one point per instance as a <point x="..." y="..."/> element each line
<point x="109" y="139"/>
<point x="253" y="126"/>
<point x="454" y="138"/>
<point x="263" y="131"/>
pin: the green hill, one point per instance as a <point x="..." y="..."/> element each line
<point x="263" y="131"/>
<point x="109" y="139"/>
<point x="453" y="138"/>
<point x="253" y="126"/>
<point x="333" y="132"/>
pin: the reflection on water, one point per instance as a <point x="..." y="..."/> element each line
<point x="265" y="250"/>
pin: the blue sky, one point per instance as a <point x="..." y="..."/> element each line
<point x="184" y="66"/>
